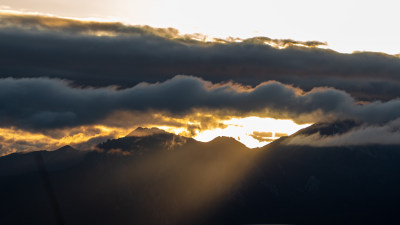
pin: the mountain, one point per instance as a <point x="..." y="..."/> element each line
<point x="19" y="163"/>
<point x="328" y="129"/>
<point x="163" y="178"/>
<point x="145" y="139"/>
<point x="142" y="132"/>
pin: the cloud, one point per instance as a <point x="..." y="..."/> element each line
<point x="387" y="134"/>
<point x="14" y="139"/>
<point x="59" y="75"/>
<point x="263" y="136"/>
<point x="34" y="22"/>
<point x="42" y="103"/>
<point x="101" y="54"/>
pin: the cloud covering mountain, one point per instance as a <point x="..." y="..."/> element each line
<point x="60" y="75"/>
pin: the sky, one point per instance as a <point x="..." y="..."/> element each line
<point x="346" y="25"/>
<point x="77" y="73"/>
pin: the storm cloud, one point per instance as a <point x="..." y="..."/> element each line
<point x="42" y="103"/>
<point x="102" y="54"/>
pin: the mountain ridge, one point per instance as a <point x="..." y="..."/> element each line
<point x="216" y="182"/>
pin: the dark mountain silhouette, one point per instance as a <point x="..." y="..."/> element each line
<point x="162" y="178"/>
<point x="327" y="129"/>
<point x="144" y="139"/>
<point x="18" y="163"/>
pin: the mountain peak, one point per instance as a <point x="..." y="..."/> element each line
<point x="329" y="128"/>
<point x="223" y="140"/>
<point x="66" y="148"/>
<point x="142" y="132"/>
<point x="145" y="139"/>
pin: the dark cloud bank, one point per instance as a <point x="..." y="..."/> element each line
<point x="39" y="103"/>
<point x="36" y="46"/>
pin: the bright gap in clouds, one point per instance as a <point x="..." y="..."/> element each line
<point x="251" y="131"/>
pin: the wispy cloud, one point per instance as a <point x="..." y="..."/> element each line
<point x="361" y="135"/>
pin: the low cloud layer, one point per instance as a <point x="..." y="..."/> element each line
<point x="364" y="135"/>
<point x="42" y="103"/>
<point x="102" y="54"/>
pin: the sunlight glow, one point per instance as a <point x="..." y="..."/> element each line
<point x="16" y="140"/>
<point x="251" y="131"/>
<point x="246" y="129"/>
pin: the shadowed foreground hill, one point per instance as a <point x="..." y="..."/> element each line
<point x="161" y="178"/>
